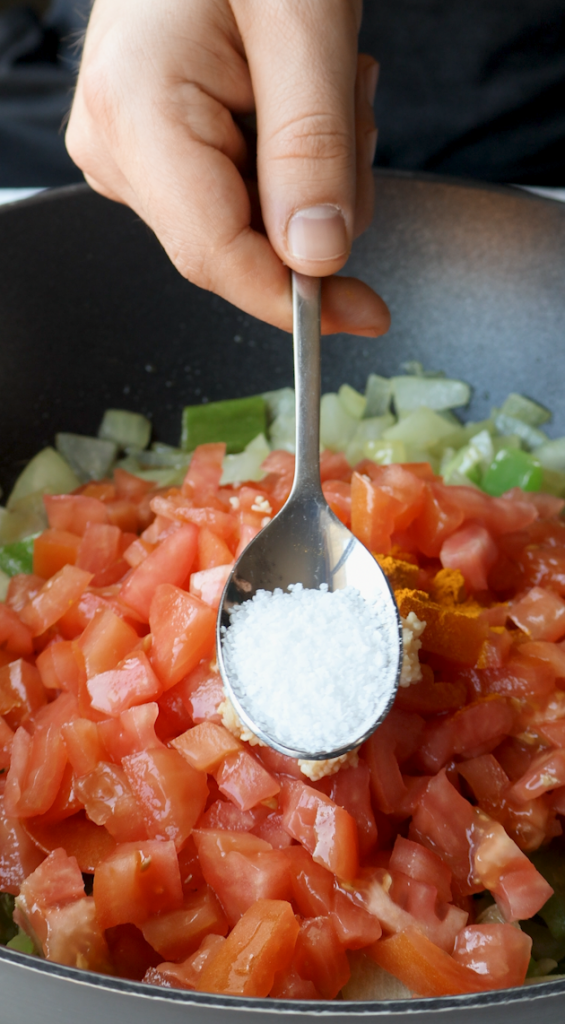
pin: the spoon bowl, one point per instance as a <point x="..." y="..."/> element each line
<point x="307" y="544"/>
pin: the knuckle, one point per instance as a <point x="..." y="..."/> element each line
<point x="313" y="137"/>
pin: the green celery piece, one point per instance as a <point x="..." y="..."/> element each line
<point x="236" y="421"/>
<point x="525" y="409"/>
<point x="17" y="557"/>
<point x="8" y="930"/>
<point x="512" y="467"/>
<point x="22" y="943"/>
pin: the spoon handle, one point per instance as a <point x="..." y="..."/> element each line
<point x="306" y="326"/>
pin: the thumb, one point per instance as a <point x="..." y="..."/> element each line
<point x="302" y="58"/>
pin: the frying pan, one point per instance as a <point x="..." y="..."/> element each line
<point x="92" y="315"/>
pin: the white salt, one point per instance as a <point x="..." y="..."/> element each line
<point x="311" y="667"/>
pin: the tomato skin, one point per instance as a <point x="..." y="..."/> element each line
<point x="261" y="943"/>
<point x="499" y="951"/>
<point x="170" y="563"/>
<point x="137" y="880"/>
<point x="327" y="831"/>
<point x="183" y="630"/>
<point x="320" y="957"/>
<point x="171" y="794"/>
<point x="178" y="934"/>
<point x="243" y="780"/>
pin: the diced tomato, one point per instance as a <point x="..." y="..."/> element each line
<point x="540" y="613"/>
<point x="52" y="550"/>
<point x="131" y="956"/>
<point x="129" y="486"/>
<point x="108" y="799"/>
<point x="186" y="974"/>
<point x="170" y="563"/>
<point x="79" y="837"/>
<point x="171" y="794"/>
<point x="327" y="831"/>
<point x="320" y="956"/>
<point x="423" y="865"/>
<point x="21" y="692"/>
<point x="338" y="497"/>
<point x="472" y="550"/>
<point x="553" y="654"/>
<point x="31" y="790"/>
<point x="15" y="637"/>
<point x="354" y="926"/>
<point x="75" y="938"/>
<point x="62" y="667"/>
<point x="212" y="550"/>
<point x="19" y="856"/>
<point x="203" y="691"/>
<point x="243" y="780"/>
<point x="545" y="773"/>
<point x="520" y="677"/>
<point x="6" y="741"/>
<point x="289" y="985"/>
<point x="279" y="466"/>
<point x="206" y="745"/>
<point x="137" y="552"/>
<point x="476" y="729"/>
<point x="179" y="933"/>
<point x="83" y="744"/>
<point x="56" y="882"/>
<point x="183" y="630"/>
<point x="222" y="814"/>
<point x="440" y="516"/>
<point x="21" y="589"/>
<point x="209" y="584"/>
<point x="350" y="788"/>
<point x="396" y="739"/>
<point x="130" y="732"/>
<point x="261" y="943"/>
<point x="100" y="553"/>
<point x="54" y="598"/>
<point x="132" y="682"/>
<point x="106" y="640"/>
<point x="499" y="952"/>
<point x="73" y="512"/>
<point x="373" y="513"/>
<point x="137" y="880"/>
<point x="423" y="967"/>
<point x="241" y="868"/>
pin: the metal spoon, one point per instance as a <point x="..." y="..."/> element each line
<point x="306" y="543"/>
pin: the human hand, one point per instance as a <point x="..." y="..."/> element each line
<point x="152" y="126"/>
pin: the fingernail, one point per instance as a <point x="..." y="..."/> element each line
<point x="317" y="233"/>
<point x="372" y="146"/>
<point x="371" y="80"/>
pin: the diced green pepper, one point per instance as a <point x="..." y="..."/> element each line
<point x="512" y="467"/>
<point x="17" y="557"/>
<point x="22" y="943"/>
<point x="236" y="421"/>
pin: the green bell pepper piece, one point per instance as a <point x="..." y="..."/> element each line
<point x="512" y="467"/>
<point x="236" y="421"/>
<point x="17" y="557"/>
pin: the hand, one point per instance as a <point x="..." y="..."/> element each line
<point x="154" y="124"/>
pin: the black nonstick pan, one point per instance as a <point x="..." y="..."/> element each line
<point x="92" y="315"/>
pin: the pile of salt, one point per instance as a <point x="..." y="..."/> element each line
<point x="310" y="667"/>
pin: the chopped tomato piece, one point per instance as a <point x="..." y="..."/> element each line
<point x="171" y="563"/>
<point x="476" y="729"/>
<point x="320" y="956"/>
<point x="137" y="880"/>
<point x="545" y="773"/>
<point x="106" y="640"/>
<point x="186" y="974"/>
<point x="350" y="789"/>
<point x="327" y="831"/>
<point x="212" y="550"/>
<point x="62" y="667"/>
<point x="202" y="692"/>
<point x="79" y="837"/>
<point x="472" y="550"/>
<point x="423" y="967"/>
<point x="129" y="486"/>
<point x="243" y="780"/>
<point x="183" y="630"/>
<point x="130" y="732"/>
<point x="100" y="553"/>
<point x="241" y="868"/>
<point x="21" y="692"/>
<point x="373" y="513"/>
<point x="497" y="951"/>
<point x="261" y="943"/>
<point x="206" y="745"/>
<point x="109" y="802"/>
<point x="421" y="864"/>
<point x="133" y="681"/>
<point x="338" y="497"/>
<point x="19" y="856"/>
<point x="52" y="550"/>
<point x="84" y="746"/>
<point x="54" y="598"/>
<point x="179" y="933"/>
<point x="209" y="584"/>
<point x="204" y="473"/>
<point x="171" y="794"/>
<point x="540" y="613"/>
<point x="73" y="512"/>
